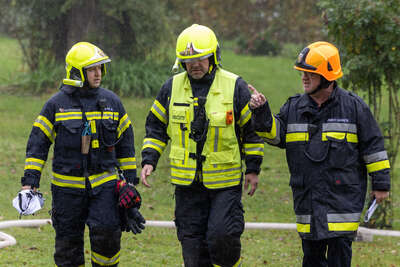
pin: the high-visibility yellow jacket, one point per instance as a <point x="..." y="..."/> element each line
<point x="229" y="131"/>
<point x="222" y="165"/>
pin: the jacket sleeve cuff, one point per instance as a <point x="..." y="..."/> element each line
<point x="253" y="164"/>
<point x="381" y="181"/>
<point x="262" y="118"/>
<point x="380" y="187"/>
<point x="30" y="180"/>
<point x="130" y="177"/>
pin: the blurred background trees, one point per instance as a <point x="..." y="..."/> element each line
<point x="140" y="35"/>
<point x="129" y="31"/>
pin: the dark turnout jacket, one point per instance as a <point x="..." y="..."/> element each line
<point x="66" y="116"/>
<point x="330" y="150"/>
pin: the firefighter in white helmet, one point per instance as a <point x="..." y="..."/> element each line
<point x="203" y="111"/>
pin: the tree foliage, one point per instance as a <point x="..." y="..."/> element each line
<point x="368" y="34"/>
<point x="278" y="21"/>
<point x="129" y="29"/>
<point x="133" y="31"/>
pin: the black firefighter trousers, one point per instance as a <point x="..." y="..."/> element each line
<point x="332" y="252"/>
<point x="72" y="209"/>
<point x="209" y="224"/>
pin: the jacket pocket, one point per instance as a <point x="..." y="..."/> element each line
<point x="70" y="133"/>
<point x="179" y="116"/>
<point x="223" y="157"/>
<point x="109" y="131"/>
<point x="346" y="191"/>
<point x="341" y="152"/>
<point x="177" y="153"/>
<point x="217" y="119"/>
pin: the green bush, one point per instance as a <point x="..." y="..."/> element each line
<point x="261" y="43"/>
<point x="291" y="50"/>
<point x="47" y="76"/>
<point x="139" y="78"/>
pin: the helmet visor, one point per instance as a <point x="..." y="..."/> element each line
<point x="97" y="63"/>
<point x="301" y="60"/>
<point x="195" y="58"/>
<point x="191" y="52"/>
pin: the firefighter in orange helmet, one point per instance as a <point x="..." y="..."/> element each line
<point x="332" y="144"/>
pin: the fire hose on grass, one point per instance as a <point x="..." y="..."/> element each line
<point x="7" y="240"/>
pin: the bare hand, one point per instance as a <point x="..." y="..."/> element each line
<point x="146" y="171"/>
<point x="380" y="195"/>
<point x="28" y="187"/>
<point x="257" y="99"/>
<point x="251" y="178"/>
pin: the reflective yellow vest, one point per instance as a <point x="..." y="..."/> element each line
<point x="222" y="166"/>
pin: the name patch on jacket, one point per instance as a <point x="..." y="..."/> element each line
<point x="337" y="120"/>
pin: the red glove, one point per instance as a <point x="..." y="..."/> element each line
<point x="128" y="195"/>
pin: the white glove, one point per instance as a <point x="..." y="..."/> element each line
<point x="28" y="202"/>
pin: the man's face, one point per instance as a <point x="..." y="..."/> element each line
<point x="197" y="68"/>
<point x="94" y="76"/>
<point x="310" y="81"/>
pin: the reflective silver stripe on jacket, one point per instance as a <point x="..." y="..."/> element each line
<point x="305" y="219"/>
<point x="378" y="156"/>
<point x="297" y="127"/>
<point x="343" y="217"/>
<point x="339" y="127"/>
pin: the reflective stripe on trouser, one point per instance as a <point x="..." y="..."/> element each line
<point x="83" y="265"/>
<point x="327" y="252"/>
<point x="71" y="210"/>
<point x="237" y="264"/>
<point x="209" y="224"/>
<point x="105" y="246"/>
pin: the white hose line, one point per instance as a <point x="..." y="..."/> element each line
<point x="7" y="240"/>
<point x="379" y="232"/>
<point x="24" y="223"/>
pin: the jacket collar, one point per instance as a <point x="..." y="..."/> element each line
<point x="307" y="104"/>
<point x="82" y="92"/>
<point x="206" y="80"/>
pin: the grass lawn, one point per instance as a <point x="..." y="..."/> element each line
<point x="159" y="246"/>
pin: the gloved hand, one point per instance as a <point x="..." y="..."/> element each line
<point x="132" y="220"/>
<point x="128" y="196"/>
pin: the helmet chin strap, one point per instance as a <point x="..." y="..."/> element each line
<point x="324" y="83"/>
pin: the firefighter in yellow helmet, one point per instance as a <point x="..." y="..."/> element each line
<point x="204" y="113"/>
<point x="332" y="144"/>
<point x="93" y="142"/>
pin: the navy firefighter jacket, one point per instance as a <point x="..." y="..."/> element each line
<point x="329" y="150"/>
<point x="96" y="113"/>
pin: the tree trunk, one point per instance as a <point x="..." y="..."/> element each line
<point x="81" y="21"/>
